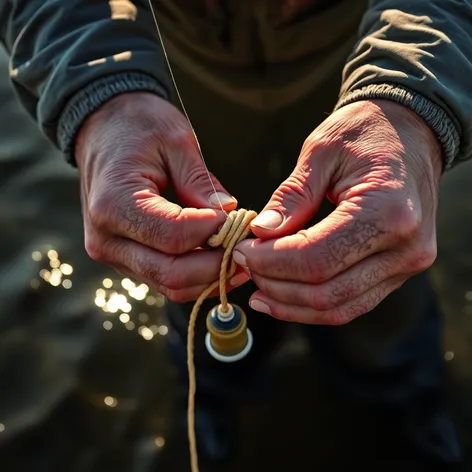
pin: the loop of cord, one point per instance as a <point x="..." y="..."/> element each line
<point x="235" y="229"/>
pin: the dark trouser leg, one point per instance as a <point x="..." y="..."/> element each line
<point x="452" y="277"/>
<point x="389" y="355"/>
<point x="392" y="358"/>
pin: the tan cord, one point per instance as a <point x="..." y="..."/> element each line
<point x="235" y="229"/>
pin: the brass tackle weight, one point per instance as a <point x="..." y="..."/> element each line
<point x="228" y="338"/>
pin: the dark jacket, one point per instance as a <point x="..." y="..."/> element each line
<point x="68" y="57"/>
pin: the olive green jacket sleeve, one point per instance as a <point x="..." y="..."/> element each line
<point x="418" y="53"/>
<point x="67" y="57"/>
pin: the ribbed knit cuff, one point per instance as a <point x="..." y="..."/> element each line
<point x="440" y="122"/>
<point x="90" y="98"/>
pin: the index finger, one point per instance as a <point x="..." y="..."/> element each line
<point x="148" y="218"/>
<point x="319" y="253"/>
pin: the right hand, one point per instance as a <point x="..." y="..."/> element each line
<point x="127" y="152"/>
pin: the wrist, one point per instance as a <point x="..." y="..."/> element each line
<point x="95" y="95"/>
<point x="122" y="119"/>
<point x="422" y="149"/>
<point x="445" y="127"/>
<point x="421" y="144"/>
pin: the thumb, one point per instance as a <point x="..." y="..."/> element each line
<point x="194" y="185"/>
<point x="293" y="204"/>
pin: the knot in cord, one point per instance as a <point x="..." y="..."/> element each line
<point x="235" y="229"/>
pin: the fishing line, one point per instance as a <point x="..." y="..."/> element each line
<point x="174" y="82"/>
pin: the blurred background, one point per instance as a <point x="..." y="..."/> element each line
<point x="85" y="380"/>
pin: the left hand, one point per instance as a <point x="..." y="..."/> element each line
<point x="380" y="164"/>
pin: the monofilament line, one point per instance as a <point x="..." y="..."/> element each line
<point x="174" y="82"/>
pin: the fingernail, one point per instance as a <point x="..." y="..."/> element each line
<point x="240" y="259"/>
<point x="269" y="219"/>
<point x="257" y="305"/>
<point x="220" y="198"/>
<point x="238" y="280"/>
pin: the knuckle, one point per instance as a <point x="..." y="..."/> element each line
<point x="179" y="137"/>
<point x="319" y="273"/>
<point x="196" y="176"/>
<point x="294" y="189"/>
<point x="319" y="300"/>
<point x="98" y="210"/>
<point x="95" y="252"/>
<point x="283" y="315"/>
<point x="320" y="304"/>
<point x="336" y="293"/>
<point x="135" y="222"/>
<point x="95" y="249"/>
<point x="174" y="281"/>
<point x="340" y="316"/>
<point x="164" y="276"/>
<point x="173" y="240"/>
<point x="156" y="274"/>
<point x="404" y="221"/>
<point x="423" y="258"/>
<point x="314" y="263"/>
<point x="168" y="234"/>
<point x="320" y="143"/>
<point x="161" y="233"/>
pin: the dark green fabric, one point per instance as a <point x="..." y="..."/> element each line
<point x="51" y="44"/>
<point x="424" y="46"/>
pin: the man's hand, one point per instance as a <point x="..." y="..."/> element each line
<point x="128" y="152"/>
<point x="380" y="164"/>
